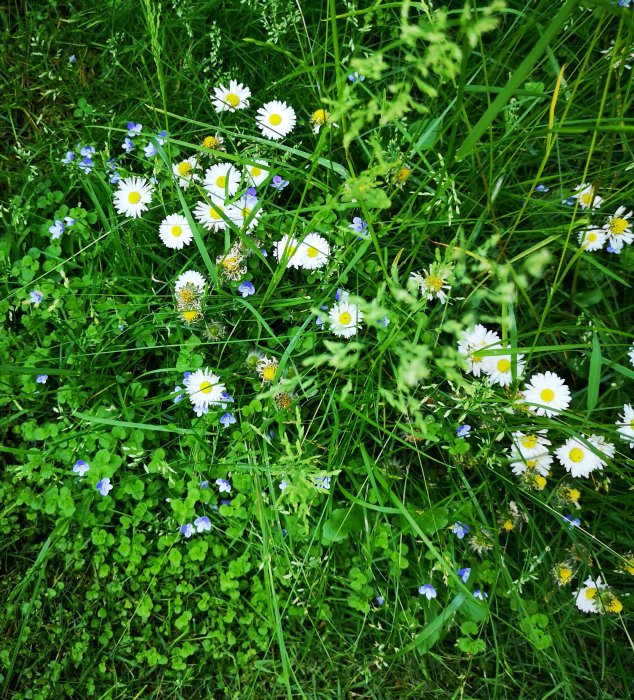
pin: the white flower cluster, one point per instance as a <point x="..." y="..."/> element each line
<point x="310" y="254"/>
<point x="476" y="343"/>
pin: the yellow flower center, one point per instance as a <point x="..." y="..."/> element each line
<point x="547" y="395"/>
<point x="255" y="171"/>
<point x="230" y="263"/>
<point x="275" y="119"/>
<point x="587" y="198"/>
<point x="576" y="454"/>
<point x="187" y="296"/>
<point x="184" y="168"/>
<point x="565" y="574"/>
<point x="591" y="593"/>
<point x="434" y="283"/>
<point x="591" y="237"/>
<point x="503" y="366"/>
<point x="176" y="231"/>
<point x="134" y="198"/>
<point x="245" y="213"/>
<point x="540" y="482"/>
<point x="617" y="225"/>
<point x="529" y="441"/>
<point x="574" y="495"/>
<point x="345" y="318"/>
<point x="403" y="174"/>
<point x="233" y="99"/>
<point x="214" y="214"/>
<point x="211" y="142"/>
<point x="320" y="116"/>
<point x="221" y="182"/>
<point x="206" y="387"/>
<point x="614" y="606"/>
<point x="632" y="424"/>
<point x="269" y="373"/>
<point x="507" y="525"/>
<point x="531" y="463"/>
<point x="312" y="252"/>
<point x="190" y="316"/>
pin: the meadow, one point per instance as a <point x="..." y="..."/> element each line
<point x="317" y="362"/>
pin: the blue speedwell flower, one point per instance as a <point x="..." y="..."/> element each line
<point x="463" y="430"/>
<point x="322" y="482"/>
<point x="35" y="297"/>
<point x="56" y="229"/>
<point x="81" y="467"/>
<point x="202" y="524"/>
<point x="227" y="419"/>
<point x="186" y="530"/>
<point x="460" y="530"/>
<point x="150" y="150"/>
<point x="223" y="486"/>
<point x="69" y="157"/>
<point x="161" y="137"/>
<point x="246" y="289"/>
<point x="134" y="129"/>
<point x="41" y="379"/>
<point x="278" y="183"/>
<point x="480" y="595"/>
<point x="127" y="145"/>
<point x="464" y="574"/>
<point x="86" y="165"/>
<point x="104" y="486"/>
<point x="379" y="600"/>
<point x="359" y="225"/>
<point x="283" y="484"/>
<point x="573" y="522"/>
<point x="355" y="77"/>
<point x="428" y="591"/>
<point x="87" y="150"/>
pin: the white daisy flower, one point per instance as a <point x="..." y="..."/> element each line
<point x="549" y="392"/>
<point x="433" y="284"/>
<point x="236" y="96"/>
<point x="175" y="232"/>
<point x="209" y="214"/>
<point x="319" y="118"/>
<point x="133" y="196"/>
<point x="531" y="444"/>
<point x="244" y="212"/>
<point x="287" y="248"/>
<point x="185" y="171"/>
<point x="537" y="464"/>
<point x="275" y="120"/>
<point x="221" y="180"/>
<point x="577" y="458"/>
<point x="476" y="339"/>
<point x="587" y="598"/>
<point x="500" y="368"/>
<point x="625" y="426"/>
<point x="345" y="319"/>
<point x="631" y="355"/>
<point x="603" y="448"/>
<point x="267" y="368"/>
<point x="257" y="173"/>
<point x="592" y="239"/>
<point x="314" y="252"/>
<point x="618" y="228"/>
<point x="585" y="195"/>
<point x="191" y="277"/>
<point x="204" y="389"/>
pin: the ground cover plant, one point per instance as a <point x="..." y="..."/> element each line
<point x="318" y="361"/>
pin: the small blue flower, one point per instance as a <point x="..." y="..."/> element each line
<point x="72" y="59"/>
<point x="460" y="530"/>
<point x="111" y="164"/>
<point x="355" y="77"/>
<point x="178" y="397"/>
<point x="69" y="157"/>
<point x="150" y="150"/>
<point x="278" y="183"/>
<point x="104" y="486"/>
<point x="69" y="221"/>
<point x="385" y="321"/>
<point x="379" y="600"/>
<point x="480" y="595"/>
<point x="283" y="484"/>
<point x="463" y="430"/>
<point x="322" y="482"/>
<point x="573" y="522"/>
<point x="251" y="192"/>
<point x="187" y="530"/>
<point x="127" y="145"/>
<point x="81" y="467"/>
<point x="542" y="188"/>
<point x="35" y="297"/>
<point x="227" y="419"/>
<point x="464" y="574"/>
<point x="161" y="137"/>
<point x="338" y="294"/>
<point x="202" y="524"/>
<point x="86" y="165"/>
<point x="204" y="484"/>
<point x="186" y="376"/>
<point x="134" y="129"/>
<point x="610" y="249"/>
<point x="56" y="229"/>
<point x="226" y="502"/>
<point x="223" y="486"/>
<point x="115" y="177"/>
<point x="246" y="289"/>
<point x="358" y="225"/>
<point x="87" y="150"/>
<point x="41" y="379"/>
<point x="428" y="591"/>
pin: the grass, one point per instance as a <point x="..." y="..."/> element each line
<point x="103" y="596"/>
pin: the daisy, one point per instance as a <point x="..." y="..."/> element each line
<point x="232" y="98"/>
<point x="477" y="338"/>
<point x="563" y="573"/>
<point x="267" y="368"/>
<point x="531" y="444"/>
<point x="549" y="392"/>
<point x="195" y="279"/>
<point x="500" y="368"/>
<point x="319" y="118"/>
<point x="625" y="427"/>
<point x="210" y="214"/>
<point x="275" y="120"/>
<point x="221" y="180"/>
<point x="630" y="354"/>
<point x="345" y="319"/>
<point x="204" y="389"/>
<point x="603" y="448"/>
<point x="185" y="171"/>
<point x="175" y="232"/>
<point x="592" y="239"/>
<point x="257" y="173"/>
<point x="133" y="196"/>
<point x="536" y="465"/>
<point x="287" y="249"/>
<point x="433" y="284"/>
<point x="245" y="213"/>
<point x="585" y="195"/>
<point x="213" y="142"/>
<point x="587" y="598"/>
<point x="577" y="458"/>
<point x="618" y="228"/>
<point x="313" y="252"/>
